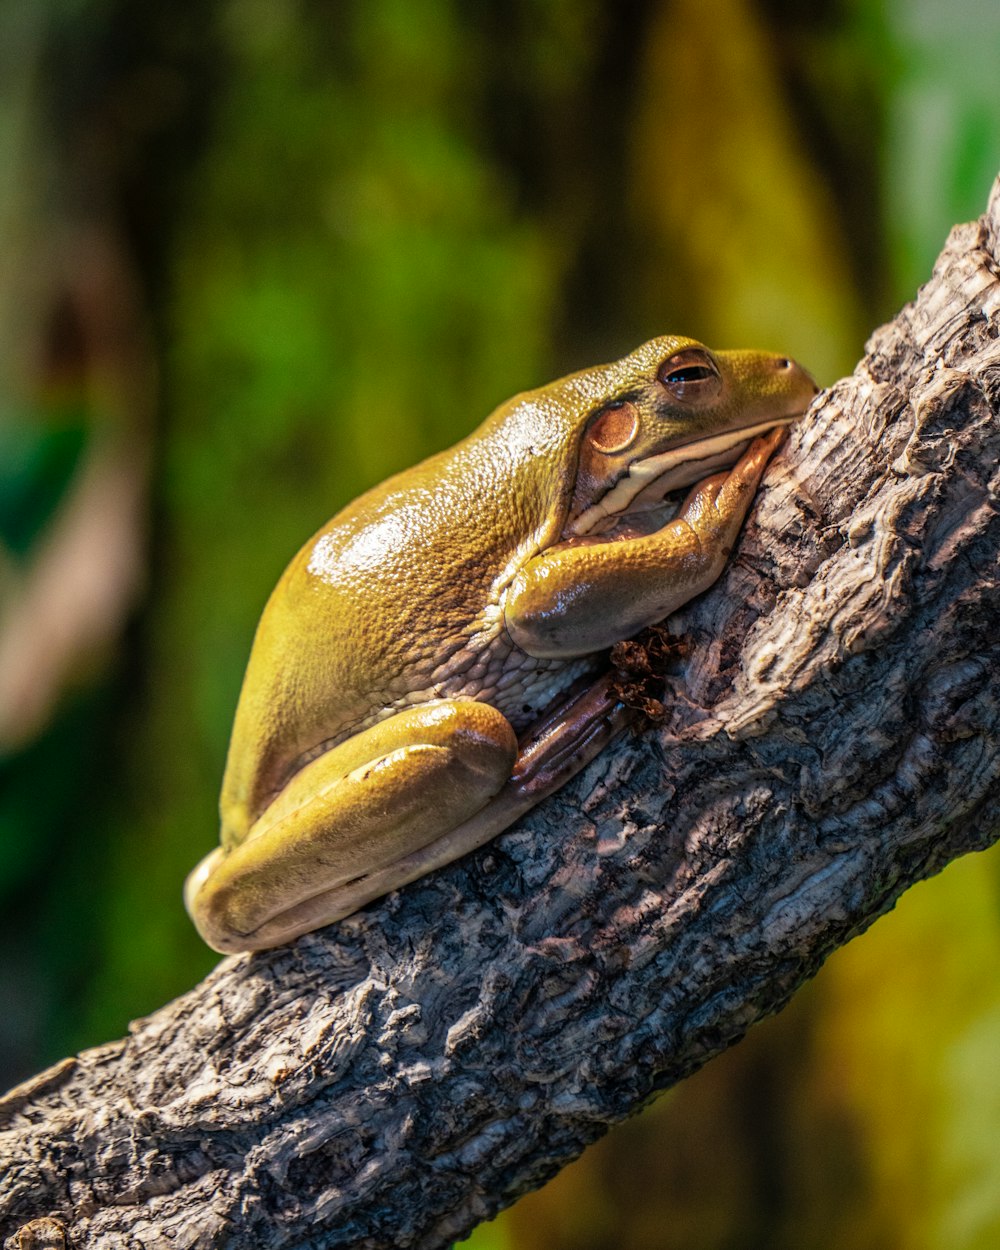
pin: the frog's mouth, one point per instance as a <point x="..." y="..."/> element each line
<point x="648" y="482"/>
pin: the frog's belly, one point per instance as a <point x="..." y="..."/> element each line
<point x="520" y="686"/>
<point x="515" y="683"/>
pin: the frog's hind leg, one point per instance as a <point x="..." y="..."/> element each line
<point x="358" y="813"/>
<point x="553" y="750"/>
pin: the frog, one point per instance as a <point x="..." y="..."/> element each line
<point x="419" y="677"/>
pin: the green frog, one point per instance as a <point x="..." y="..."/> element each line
<point x="412" y="685"/>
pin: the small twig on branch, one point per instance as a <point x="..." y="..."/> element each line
<point x="831" y="735"/>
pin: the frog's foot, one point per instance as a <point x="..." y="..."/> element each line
<point x="730" y="494"/>
<point x="352" y="824"/>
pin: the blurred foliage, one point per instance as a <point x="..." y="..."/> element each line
<point x="943" y="123"/>
<point x="36" y="468"/>
<point x="747" y="239"/>
<point x="356" y="228"/>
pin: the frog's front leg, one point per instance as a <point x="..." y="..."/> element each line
<point x="352" y="824"/>
<point x="577" y="599"/>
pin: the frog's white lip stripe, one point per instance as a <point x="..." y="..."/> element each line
<point x="680" y="466"/>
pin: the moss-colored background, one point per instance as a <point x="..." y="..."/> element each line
<point x="348" y="230"/>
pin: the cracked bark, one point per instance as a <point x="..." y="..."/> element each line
<point x="832" y="736"/>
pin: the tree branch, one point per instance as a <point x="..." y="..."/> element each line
<point x="832" y="736"/>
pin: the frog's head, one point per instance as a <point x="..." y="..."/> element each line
<point x="667" y="415"/>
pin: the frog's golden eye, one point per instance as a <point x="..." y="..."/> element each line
<point x="690" y="375"/>
<point x="615" y="428"/>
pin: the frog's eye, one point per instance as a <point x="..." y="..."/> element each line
<point x="690" y="375"/>
<point x="614" y="428"/>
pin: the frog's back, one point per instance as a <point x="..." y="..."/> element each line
<point x="393" y="602"/>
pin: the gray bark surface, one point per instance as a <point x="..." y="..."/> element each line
<point x="832" y="736"/>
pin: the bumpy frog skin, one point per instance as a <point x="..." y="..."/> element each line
<point x="431" y="624"/>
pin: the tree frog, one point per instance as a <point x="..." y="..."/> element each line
<point x="426" y="642"/>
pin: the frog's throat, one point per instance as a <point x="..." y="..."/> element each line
<point x="670" y="470"/>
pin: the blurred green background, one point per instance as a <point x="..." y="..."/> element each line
<point x="259" y="254"/>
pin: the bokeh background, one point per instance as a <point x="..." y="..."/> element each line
<point x="257" y="254"/>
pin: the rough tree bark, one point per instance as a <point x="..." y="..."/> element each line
<point x="832" y="736"/>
